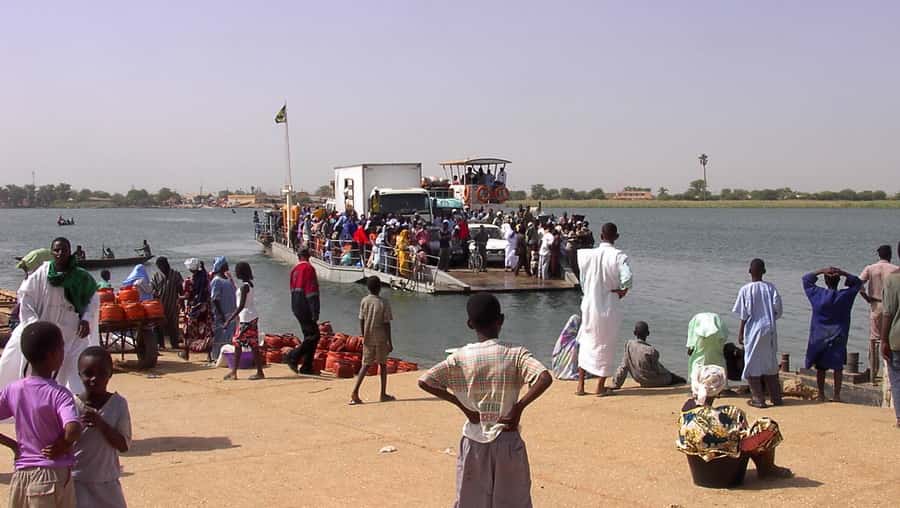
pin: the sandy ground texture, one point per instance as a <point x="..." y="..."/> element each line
<point x="288" y="441"/>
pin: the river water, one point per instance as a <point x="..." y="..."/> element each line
<point x="684" y="260"/>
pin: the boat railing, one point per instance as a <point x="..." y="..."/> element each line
<point x="412" y="275"/>
<point x="334" y="252"/>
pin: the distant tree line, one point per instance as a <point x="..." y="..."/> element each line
<point x="697" y="191"/>
<point x="62" y="195"/>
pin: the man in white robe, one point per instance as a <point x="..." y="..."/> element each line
<point x="509" y="234"/>
<point x="605" y="280"/>
<point x="41" y="301"/>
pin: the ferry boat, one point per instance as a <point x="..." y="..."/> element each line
<point x="385" y="188"/>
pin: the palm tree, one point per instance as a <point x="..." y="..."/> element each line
<point x="704" y="159"/>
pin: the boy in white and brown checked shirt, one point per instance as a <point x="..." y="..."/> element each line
<point x="485" y="379"/>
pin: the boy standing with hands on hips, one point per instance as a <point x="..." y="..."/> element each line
<point x="483" y="380"/>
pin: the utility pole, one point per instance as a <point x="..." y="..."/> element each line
<point x="704" y="159"/>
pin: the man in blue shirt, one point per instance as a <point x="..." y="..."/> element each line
<point x="829" y="328"/>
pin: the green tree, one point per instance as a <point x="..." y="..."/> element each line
<point x="165" y="194"/>
<point x="138" y="197"/>
<point x="596" y="194"/>
<point x="879" y="195"/>
<point x="17" y="195"/>
<point x="518" y="195"/>
<point x="63" y="191"/>
<point x="45" y="195"/>
<point x="567" y="193"/>
<point x="662" y="193"/>
<point x="697" y="189"/>
<point x="847" y="195"/>
<point x="101" y="194"/>
<point x="552" y="194"/>
<point x="84" y="195"/>
<point x="538" y="191"/>
<point x="325" y="191"/>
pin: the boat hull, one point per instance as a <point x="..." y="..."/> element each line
<point x="95" y="264"/>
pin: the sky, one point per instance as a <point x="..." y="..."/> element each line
<point x="110" y="95"/>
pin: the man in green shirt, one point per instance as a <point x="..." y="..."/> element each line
<point x="890" y="336"/>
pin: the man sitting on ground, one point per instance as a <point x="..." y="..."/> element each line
<point x="641" y="360"/>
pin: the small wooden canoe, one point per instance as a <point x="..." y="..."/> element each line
<point x="96" y="264"/>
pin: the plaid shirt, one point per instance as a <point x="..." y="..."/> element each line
<point x="486" y="377"/>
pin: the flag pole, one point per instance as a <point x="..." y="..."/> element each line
<point x="289" y="187"/>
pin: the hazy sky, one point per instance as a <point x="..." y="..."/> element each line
<point x="581" y="94"/>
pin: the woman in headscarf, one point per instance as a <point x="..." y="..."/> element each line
<point x="62" y="293"/>
<point x="31" y="261"/>
<point x="713" y="433"/>
<point x="565" y="352"/>
<point x="197" y="325"/>
<point x="223" y="297"/>
<point x="402" y="252"/>
<point x="139" y="280"/>
<point x="167" y="287"/>
<point x="706" y="338"/>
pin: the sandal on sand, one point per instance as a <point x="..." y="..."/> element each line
<point x="388" y="398"/>
<point x="256" y="377"/>
<point x="757" y="405"/>
<point x="183" y="356"/>
<point x="355" y="402"/>
<point x="229" y="377"/>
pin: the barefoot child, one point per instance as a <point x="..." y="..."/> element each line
<point x="107" y="432"/>
<point x="247" y="333"/>
<point x="485" y="379"/>
<point x="46" y="424"/>
<point x="375" y="325"/>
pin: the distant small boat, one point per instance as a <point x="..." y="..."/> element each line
<point x="233" y="210"/>
<point x="93" y="264"/>
<point x="64" y="222"/>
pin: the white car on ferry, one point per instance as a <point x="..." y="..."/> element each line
<point x="496" y="245"/>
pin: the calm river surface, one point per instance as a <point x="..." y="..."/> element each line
<point x="684" y="260"/>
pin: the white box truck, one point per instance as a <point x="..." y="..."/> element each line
<point x="398" y="187"/>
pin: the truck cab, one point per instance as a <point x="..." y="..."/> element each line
<point x="401" y="203"/>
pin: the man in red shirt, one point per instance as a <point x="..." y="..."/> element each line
<point x="305" y="306"/>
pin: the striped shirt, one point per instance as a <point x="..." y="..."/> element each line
<point x="486" y="377"/>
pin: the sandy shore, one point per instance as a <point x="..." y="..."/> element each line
<point x="291" y="441"/>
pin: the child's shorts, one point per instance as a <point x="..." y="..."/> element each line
<point x="488" y="473"/>
<point x="246" y="335"/>
<point x="376" y="352"/>
<point x="39" y="487"/>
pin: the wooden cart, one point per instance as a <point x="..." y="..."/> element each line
<point x="132" y="337"/>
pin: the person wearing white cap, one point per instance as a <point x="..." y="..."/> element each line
<point x="714" y="433"/>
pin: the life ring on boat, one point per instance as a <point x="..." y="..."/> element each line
<point x="501" y="194"/>
<point x="483" y="194"/>
<point x="466" y="198"/>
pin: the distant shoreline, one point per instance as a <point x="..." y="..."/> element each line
<point x="612" y="203"/>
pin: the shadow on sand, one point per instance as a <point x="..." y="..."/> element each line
<point x="797" y="482"/>
<point x="149" y="446"/>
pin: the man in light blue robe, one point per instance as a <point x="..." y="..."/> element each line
<point x="758" y="306"/>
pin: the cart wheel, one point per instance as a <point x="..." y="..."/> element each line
<point x="147" y="350"/>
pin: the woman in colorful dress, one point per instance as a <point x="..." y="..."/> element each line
<point x="197" y="324"/>
<point x="714" y="433"/>
<point x="247" y="332"/>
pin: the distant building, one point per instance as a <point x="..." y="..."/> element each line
<point x="633" y="195"/>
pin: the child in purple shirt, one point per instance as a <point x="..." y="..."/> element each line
<point x="46" y="421"/>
